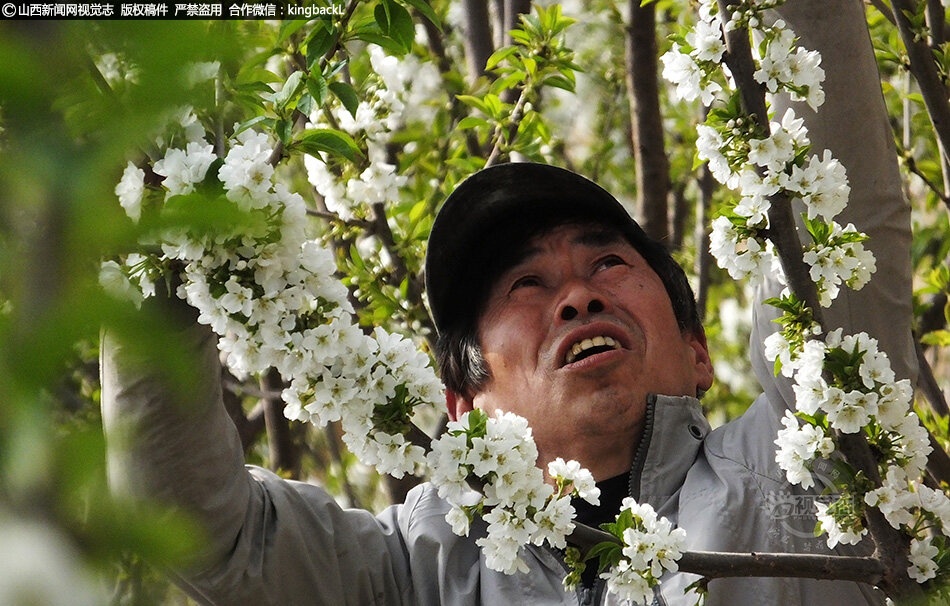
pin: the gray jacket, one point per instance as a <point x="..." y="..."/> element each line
<point x="271" y="541"/>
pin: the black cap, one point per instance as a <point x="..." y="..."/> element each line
<point x="491" y="212"/>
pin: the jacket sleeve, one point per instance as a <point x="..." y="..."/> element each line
<point x="853" y="124"/>
<point x="266" y="541"/>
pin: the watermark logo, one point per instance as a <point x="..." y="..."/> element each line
<point x="794" y="513"/>
<point x="310" y="11"/>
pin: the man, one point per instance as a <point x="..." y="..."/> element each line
<point x="550" y="303"/>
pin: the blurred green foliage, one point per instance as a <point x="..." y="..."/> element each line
<point x="67" y="130"/>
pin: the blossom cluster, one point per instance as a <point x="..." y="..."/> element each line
<point x="845" y="385"/>
<point x="842" y="384"/>
<point x="518" y="506"/>
<point x="921" y="510"/>
<point x="401" y="94"/>
<point x="760" y="162"/>
<point x="272" y="296"/>
<point x="651" y="546"/>
<point x="692" y="62"/>
<point x="761" y="167"/>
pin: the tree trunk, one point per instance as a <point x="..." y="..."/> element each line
<point x="651" y="164"/>
<point x="512" y="17"/>
<point x="478" y="38"/>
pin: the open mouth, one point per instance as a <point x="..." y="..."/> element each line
<point x="590" y="347"/>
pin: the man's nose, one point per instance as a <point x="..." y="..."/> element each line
<point x="578" y="299"/>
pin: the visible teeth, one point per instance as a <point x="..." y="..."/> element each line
<point x="581" y="346"/>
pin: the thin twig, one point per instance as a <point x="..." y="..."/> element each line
<point x="911" y="165"/>
<point x="798" y="565"/>
<point x="499" y="135"/>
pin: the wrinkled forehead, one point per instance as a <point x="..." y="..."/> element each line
<point x="586" y="235"/>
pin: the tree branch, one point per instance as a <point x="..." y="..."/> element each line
<point x="927" y="384"/>
<point x="713" y="564"/>
<point x="911" y="165"/>
<point x="400" y="270"/>
<point x="924" y="69"/>
<point x="703" y="263"/>
<point x="882" y="8"/>
<point x="512" y="125"/>
<point x="718" y="564"/>
<point x="891" y="546"/>
<point x="782" y="231"/>
<point x="935" y="20"/>
<point x="284" y="453"/>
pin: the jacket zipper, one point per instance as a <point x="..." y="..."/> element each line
<point x="639" y="459"/>
<point x="588" y="596"/>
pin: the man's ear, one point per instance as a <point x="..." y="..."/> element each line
<point x="703" y="367"/>
<point x="456" y="404"/>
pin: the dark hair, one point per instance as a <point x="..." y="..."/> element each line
<point x="458" y="352"/>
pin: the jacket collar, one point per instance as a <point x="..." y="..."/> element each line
<point x="673" y="434"/>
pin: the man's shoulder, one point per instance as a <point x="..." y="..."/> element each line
<point x="749" y="440"/>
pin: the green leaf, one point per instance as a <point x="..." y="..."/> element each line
<point x="317" y="87"/>
<point x="419" y="210"/>
<point x="471" y="122"/>
<point x="530" y="65"/>
<point x="319" y="42"/>
<point x="382" y="16"/>
<point x="305" y="103"/>
<point x="494" y="105"/>
<point x="289" y="90"/>
<point x="401" y="27"/>
<point x="940" y="338"/>
<point x="381" y="40"/>
<point x="521" y="37"/>
<point x="328" y="140"/>
<point x="347" y="96"/>
<point x="395" y="23"/>
<point x="425" y="9"/>
<point x="208" y="214"/>
<point x="607" y="550"/>
<point x="243" y="126"/>
<point x="560" y="82"/>
<point x="511" y="80"/>
<point x="288" y="28"/>
<point x="284" y="129"/>
<point x="498" y="56"/>
<point x="473" y="101"/>
<point x="477" y="423"/>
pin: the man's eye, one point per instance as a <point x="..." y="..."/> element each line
<point x="525" y="282"/>
<point x="609" y="261"/>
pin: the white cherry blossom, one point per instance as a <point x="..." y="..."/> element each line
<point x="922" y="565"/>
<point x="130" y="191"/>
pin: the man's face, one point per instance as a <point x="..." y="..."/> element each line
<point x="576" y="335"/>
